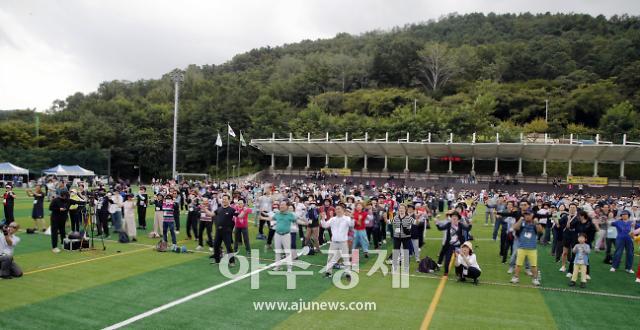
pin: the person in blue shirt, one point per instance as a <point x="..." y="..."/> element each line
<point x="623" y="242"/>
<point x="527" y="229"/>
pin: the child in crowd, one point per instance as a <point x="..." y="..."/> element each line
<point x="581" y="253"/>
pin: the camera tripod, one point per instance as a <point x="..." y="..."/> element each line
<point x="89" y="220"/>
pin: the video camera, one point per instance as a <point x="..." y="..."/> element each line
<point x="95" y="194"/>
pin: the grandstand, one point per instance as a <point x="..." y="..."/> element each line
<point x="528" y="148"/>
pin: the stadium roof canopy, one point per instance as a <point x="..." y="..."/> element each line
<point x="551" y="150"/>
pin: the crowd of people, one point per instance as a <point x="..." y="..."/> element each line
<point x="362" y="217"/>
<point x="575" y="225"/>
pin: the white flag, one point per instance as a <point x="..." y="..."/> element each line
<point x="219" y="141"/>
<point x="231" y="132"/>
<point x="242" y="142"/>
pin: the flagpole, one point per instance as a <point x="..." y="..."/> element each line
<point x="239" y="152"/>
<point x="228" y="150"/>
<point x="217" y="154"/>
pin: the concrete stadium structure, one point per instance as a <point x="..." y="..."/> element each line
<point x="541" y="148"/>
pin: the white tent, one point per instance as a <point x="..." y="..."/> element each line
<point x="68" y="170"/>
<point x="79" y="171"/>
<point x="57" y="171"/>
<point x="8" y="168"/>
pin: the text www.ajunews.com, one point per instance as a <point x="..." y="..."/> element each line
<point x="301" y="306"/>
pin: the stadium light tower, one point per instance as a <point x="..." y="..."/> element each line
<point x="177" y="76"/>
<point x="546" y="107"/>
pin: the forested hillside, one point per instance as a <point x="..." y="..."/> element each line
<point x="466" y="73"/>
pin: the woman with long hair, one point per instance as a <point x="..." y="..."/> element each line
<point x="37" y="213"/>
<point x="568" y="234"/>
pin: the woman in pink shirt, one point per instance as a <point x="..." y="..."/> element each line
<point x="241" y="226"/>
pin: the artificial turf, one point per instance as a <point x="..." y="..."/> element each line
<point x="94" y="289"/>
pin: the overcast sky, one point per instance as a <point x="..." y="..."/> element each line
<point x="50" y="49"/>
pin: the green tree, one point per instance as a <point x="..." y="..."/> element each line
<point x="619" y="119"/>
<point x="538" y="125"/>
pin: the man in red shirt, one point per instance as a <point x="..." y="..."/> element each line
<point x="241" y="226"/>
<point x="359" y="229"/>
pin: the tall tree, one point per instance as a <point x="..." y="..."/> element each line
<point x="437" y="66"/>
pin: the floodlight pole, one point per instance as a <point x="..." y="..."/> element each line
<point x="546" y="111"/>
<point x="177" y="77"/>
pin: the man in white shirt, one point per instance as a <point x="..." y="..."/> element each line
<point x="264" y="203"/>
<point x="8" y="241"/>
<point x="338" y="247"/>
<point x="115" y="208"/>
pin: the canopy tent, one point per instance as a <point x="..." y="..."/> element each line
<point x="67" y="170"/>
<point x="8" y="168"/>
<point x="79" y="171"/>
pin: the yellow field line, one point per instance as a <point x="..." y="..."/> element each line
<point x="436" y="299"/>
<point x="84" y="261"/>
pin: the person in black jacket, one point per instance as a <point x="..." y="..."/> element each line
<point x="59" y="208"/>
<point x="142" y="203"/>
<point x="567" y="223"/>
<point x="224" y="227"/>
<point x="102" y="208"/>
<point x="176" y="211"/>
<point x="8" y="200"/>
<point x="504" y="220"/>
<point x="584" y="225"/>
<point x="453" y="238"/>
<point x="542" y="212"/>
<point x="193" y="215"/>
<point x="184" y="194"/>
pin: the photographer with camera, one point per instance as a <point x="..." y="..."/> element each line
<point x="76" y="211"/>
<point x="59" y="208"/>
<point x="8" y="241"/>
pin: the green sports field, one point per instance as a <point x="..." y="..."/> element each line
<point x="96" y="289"/>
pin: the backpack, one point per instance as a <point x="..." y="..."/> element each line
<point x="123" y="238"/>
<point x="427" y="265"/>
<point x="180" y="249"/>
<point x="312" y="251"/>
<point x="161" y="246"/>
<point x="312" y="214"/>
